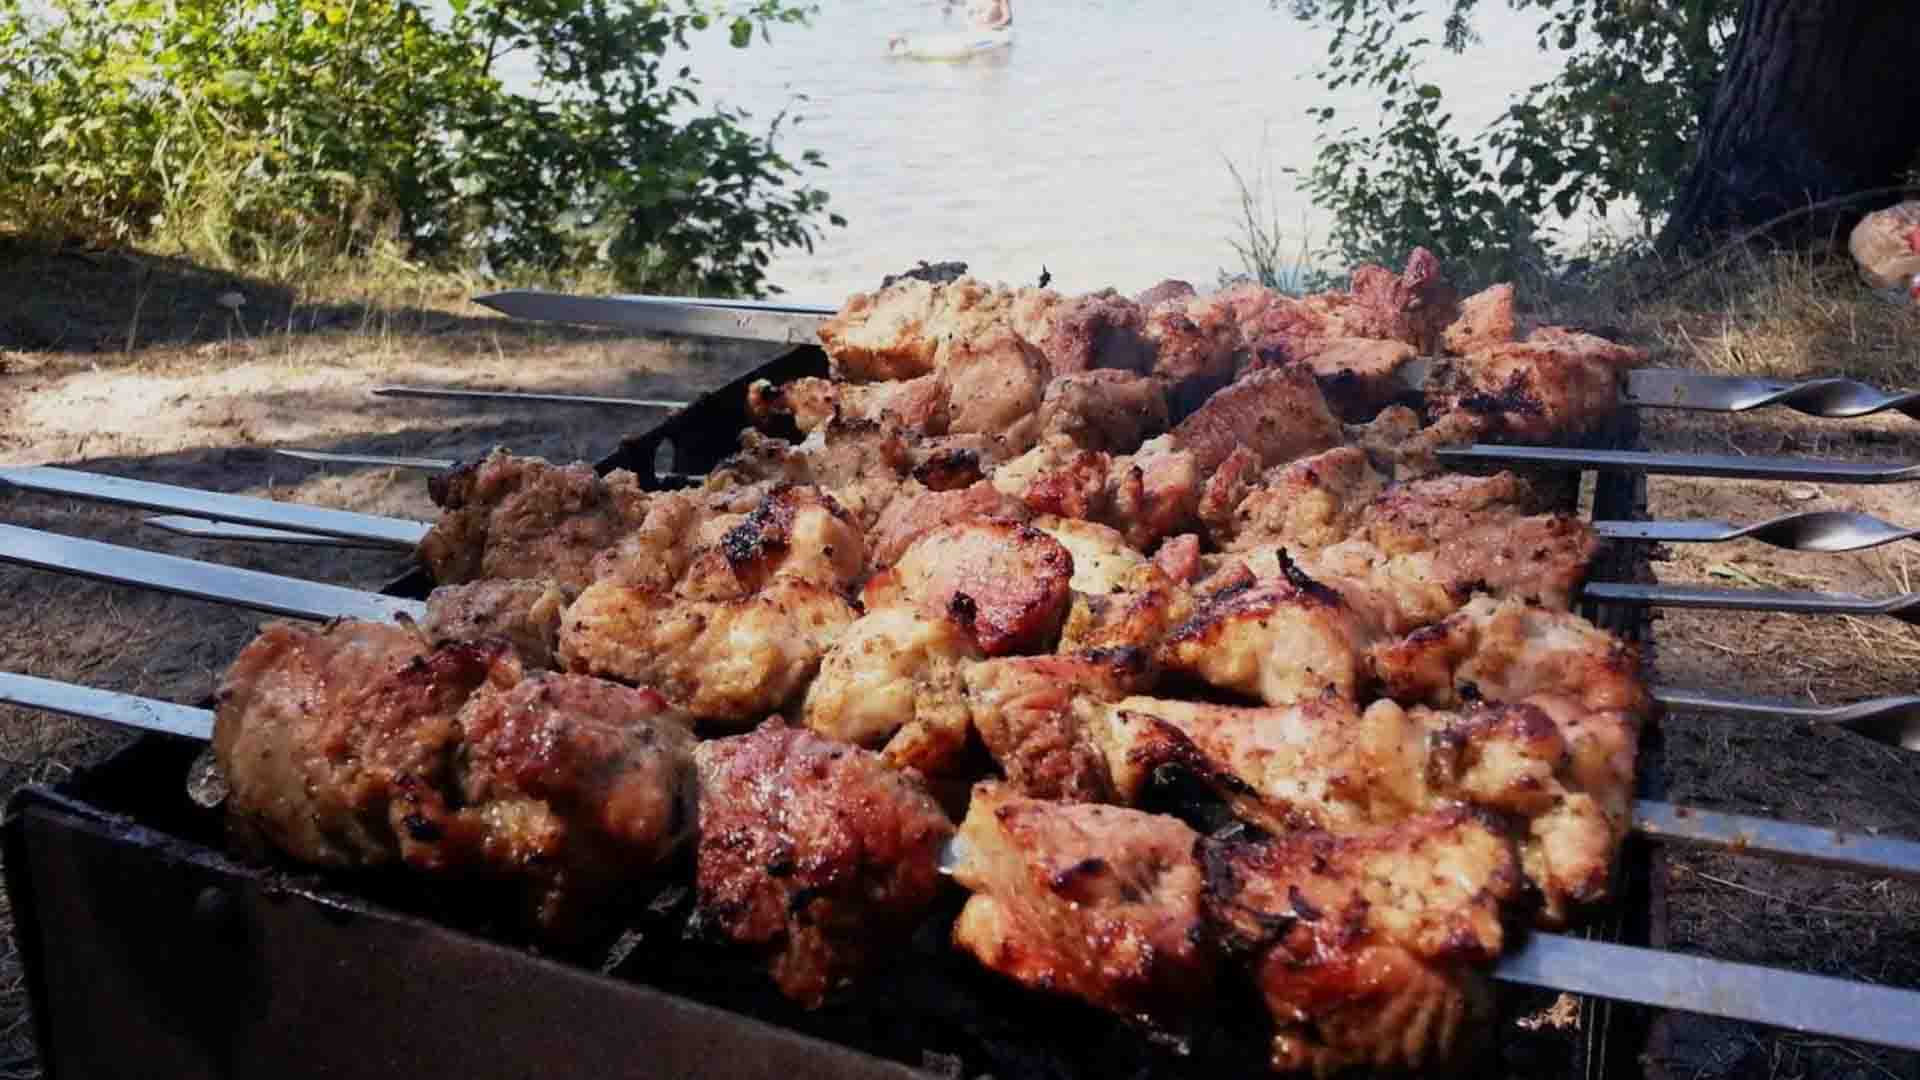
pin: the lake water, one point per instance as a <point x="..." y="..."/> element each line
<point x="1096" y="146"/>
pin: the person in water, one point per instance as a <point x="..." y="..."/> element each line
<point x="992" y="14"/>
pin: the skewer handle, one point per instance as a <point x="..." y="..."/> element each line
<point x="1825" y="531"/>
<point x="512" y="398"/>
<point x="1724" y="466"/>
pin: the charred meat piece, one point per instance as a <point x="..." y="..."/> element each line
<point x="798" y="533"/>
<point x="815" y="853"/>
<point x="1006" y="584"/>
<point x="520" y="517"/>
<point x="1279" y="642"/>
<point x="895" y="677"/>
<point x="1057" y="478"/>
<point x="728" y="663"/>
<point x="1095" y="902"/>
<point x="1279" y="414"/>
<point x="1121" y="599"/>
<point x="526" y="614"/>
<point x="1320" y="764"/>
<point x="1195" y="343"/>
<point x="1556" y="384"/>
<point x="1357" y="375"/>
<point x="1368" y="948"/>
<point x="356" y="746"/>
<point x="919" y="405"/>
<point x="1033" y="712"/>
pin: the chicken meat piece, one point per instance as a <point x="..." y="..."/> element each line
<point x="1033" y="715"/>
<point x="797" y="533"/>
<point x="1099" y="903"/>
<point x="1280" y="641"/>
<point x="1113" y="411"/>
<point x="1004" y="583"/>
<point x="520" y="517"/>
<point x="526" y="614"/>
<point x="1486" y="319"/>
<point x="1056" y="477"/>
<point x="1304" y="505"/>
<point x="1555" y="385"/>
<point x="1507" y="650"/>
<point x="1368" y="948"/>
<point x="895" y="679"/>
<point x="1278" y="414"/>
<point x="918" y="405"/>
<point x="355" y="746"/>
<point x="814" y="853"/>
<point x="917" y="512"/>
<point x="728" y="663"/>
<point x="1318" y="764"/>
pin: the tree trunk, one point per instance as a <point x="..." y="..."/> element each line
<point x="1820" y="98"/>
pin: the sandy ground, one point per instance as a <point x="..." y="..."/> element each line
<point x="201" y="398"/>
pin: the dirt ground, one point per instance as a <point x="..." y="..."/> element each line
<point x="201" y="397"/>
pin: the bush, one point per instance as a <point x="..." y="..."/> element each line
<point x="272" y="133"/>
<point x="1617" y="123"/>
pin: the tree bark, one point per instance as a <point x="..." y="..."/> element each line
<point x="1819" y="99"/>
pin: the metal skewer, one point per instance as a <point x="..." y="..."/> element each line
<point x="511" y="398"/>
<point x="436" y="464"/>
<point x="1713" y="465"/>
<point x="1891" y="720"/>
<point x="1906" y="607"/>
<point x="1825" y="531"/>
<point x="204" y="529"/>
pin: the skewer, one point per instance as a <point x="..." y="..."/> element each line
<point x="203" y="529"/>
<point x="433" y="464"/>
<point x="1819" y="531"/>
<point x="511" y="398"/>
<point x="1905" y="607"/>
<point x="241" y="509"/>
<point x="1557" y="962"/>
<point x="1668" y="464"/>
<point x="800" y="324"/>
<point x="1894" y="720"/>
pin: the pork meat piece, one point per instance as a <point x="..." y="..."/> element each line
<point x="1170" y="291"/>
<point x="1121" y="599"/>
<point x="1033" y="712"/>
<point x="1056" y="477"/>
<point x="798" y="533"/>
<point x="814" y="853"/>
<point x="1368" y="948"/>
<point x="994" y="381"/>
<point x="1304" y="505"/>
<point x="354" y="745"/>
<point x="520" y="517"/>
<point x="896" y="332"/>
<point x="1556" y="385"/>
<point x="1507" y="650"/>
<point x="1279" y="414"/>
<point x="1280" y="642"/>
<point x="1357" y="376"/>
<point x="1099" y="330"/>
<point x="1103" y="410"/>
<point x="1194" y="343"/>
<point x="918" y="405"/>
<point x="1486" y="319"/>
<point x="1005" y="583"/>
<point x="1099" y="903"/>
<point x="526" y="614"/>
<point x="1414" y="306"/>
<point x="659" y="548"/>
<point x="728" y="663"/>
<point x="895" y="679"/>
<point x="917" y="512"/>
<point x="1319" y="764"/>
<point x="1152" y="494"/>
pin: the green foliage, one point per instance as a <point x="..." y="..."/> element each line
<point x="1616" y="124"/>
<point x="262" y="132"/>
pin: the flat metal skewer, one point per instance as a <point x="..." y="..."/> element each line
<point x="130" y="710"/>
<point x="1723" y="466"/>
<point x="514" y="398"/>
<point x="1905" y="607"/>
<point x="242" y="509"/>
<point x="434" y="464"/>
<point x="204" y="529"/>
<point x="1825" y="531"/>
<point x="1891" y="720"/>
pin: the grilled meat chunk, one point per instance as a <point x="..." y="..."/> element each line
<point x="1555" y="384"/>
<point x="1486" y="319"/>
<point x="917" y="512"/>
<point x="1006" y="584"/>
<point x="1367" y="947"/>
<point x="354" y="746"/>
<point x="895" y="677"/>
<point x="1307" y="504"/>
<point x="813" y="852"/>
<point x="1121" y="599"/>
<point x="1506" y="650"/>
<point x="1057" y="478"/>
<point x="797" y="533"/>
<point x="520" y="517"/>
<point x="1033" y="715"/>
<point x="526" y="614"/>
<point x="1096" y="902"/>
<point x="1279" y="414"/>
<point x="919" y="405"/>
<point x="728" y="663"/>
<point x="1103" y="410"/>
<point x="1279" y="642"/>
